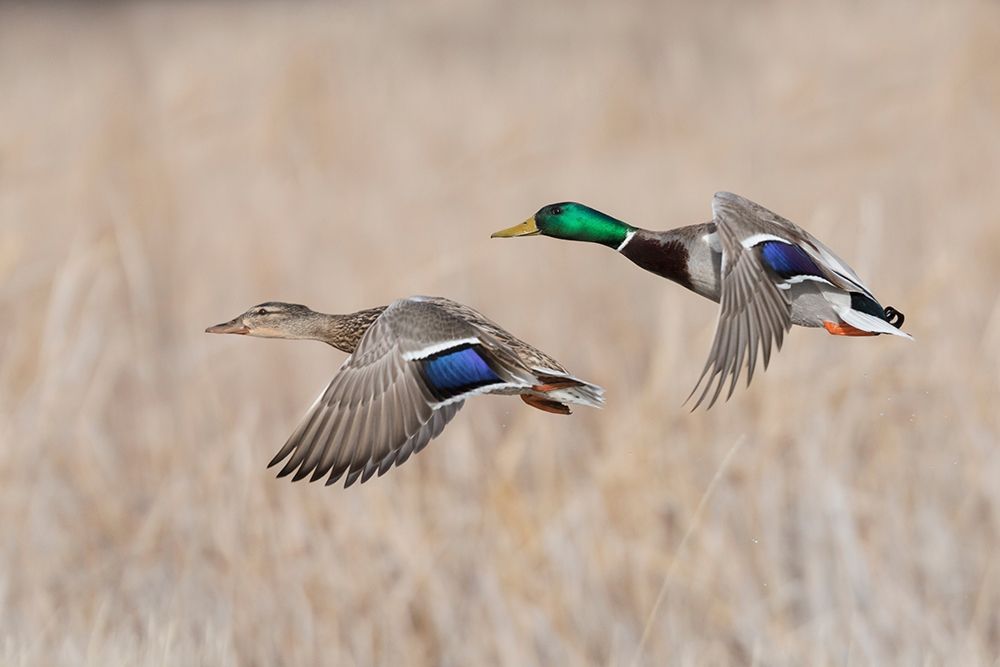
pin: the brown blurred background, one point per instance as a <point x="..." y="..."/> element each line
<point x="165" y="166"/>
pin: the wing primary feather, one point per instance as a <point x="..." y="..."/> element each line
<point x="721" y="354"/>
<point x="348" y="443"/>
<point x="337" y="443"/>
<point x="328" y="446"/>
<point x="436" y="426"/>
<point x="371" y="467"/>
<point x="294" y="438"/>
<point x="742" y="336"/>
<point x="425" y="413"/>
<point x="358" y="438"/>
<point x="336" y="474"/>
<point x="741" y="345"/>
<point x="755" y="338"/>
<point x="283" y="452"/>
<point x="721" y="333"/>
<point x="404" y="452"/>
<point x="310" y="450"/>
<point x="308" y="437"/>
<point x="386" y="462"/>
<point x="313" y="448"/>
<point x="352" y="477"/>
<point x="720" y="382"/>
<point x="767" y="338"/>
<point x="307" y="421"/>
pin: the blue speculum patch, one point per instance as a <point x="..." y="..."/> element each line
<point x="456" y="371"/>
<point x="788" y="260"/>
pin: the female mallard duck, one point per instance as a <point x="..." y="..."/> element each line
<point x="767" y="272"/>
<point x="411" y="366"/>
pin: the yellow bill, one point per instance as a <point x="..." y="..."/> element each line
<point x="526" y="228"/>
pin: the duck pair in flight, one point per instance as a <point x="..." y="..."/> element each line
<point x="413" y="363"/>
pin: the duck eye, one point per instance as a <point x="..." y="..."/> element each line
<point x="261" y="311"/>
<point x="556" y="210"/>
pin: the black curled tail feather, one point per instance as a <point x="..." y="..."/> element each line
<point x="866" y="304"/>
<point x="894" y="317"/>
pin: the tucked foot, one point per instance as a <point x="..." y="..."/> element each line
<point x="846" y="330"/>
<point x="545" y="405"/>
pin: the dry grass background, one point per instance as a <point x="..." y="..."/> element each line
<point x="164" y="166"/>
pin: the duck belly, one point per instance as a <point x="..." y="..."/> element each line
<point x="813" y="303"/>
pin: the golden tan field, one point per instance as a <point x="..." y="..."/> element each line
<point x="165" y="166"/>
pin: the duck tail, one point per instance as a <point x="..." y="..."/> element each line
<point x="894" y="317"/>
<point x="569" y="389"/>
<point x="869" y="323"/>
<point x="866" y="317"/>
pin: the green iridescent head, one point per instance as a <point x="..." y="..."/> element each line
<point x="571" y="221"/>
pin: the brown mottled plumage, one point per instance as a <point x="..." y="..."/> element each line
<point x="412" y="365"/>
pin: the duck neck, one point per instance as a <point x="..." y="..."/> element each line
<point x="340" y="331"/>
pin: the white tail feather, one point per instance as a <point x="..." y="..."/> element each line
<point x="867" y="322"/>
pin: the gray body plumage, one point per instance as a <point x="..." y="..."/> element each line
<point x="810" y="303"/>
<point x="722" y="261"/>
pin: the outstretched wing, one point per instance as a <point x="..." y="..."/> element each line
<point x="754" y="313"/>
<point x="408" y="377"/>
<point x="757" y="225"/>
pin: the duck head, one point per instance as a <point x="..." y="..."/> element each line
<point x="273" y="319"/>
<point x="573" y="222"/>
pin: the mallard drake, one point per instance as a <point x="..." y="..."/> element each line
<point x="767" y="272"/>
<point x="412" y="364"/>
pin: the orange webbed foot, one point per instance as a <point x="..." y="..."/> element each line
<point x="846" y="330"/>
